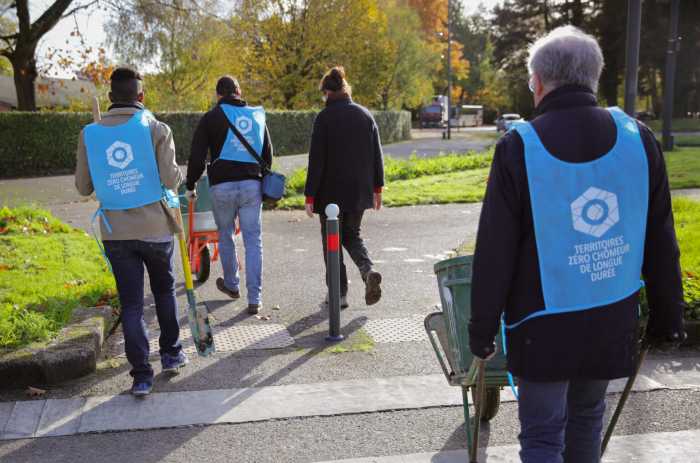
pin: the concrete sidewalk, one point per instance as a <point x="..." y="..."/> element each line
<point x="60" y="417"/>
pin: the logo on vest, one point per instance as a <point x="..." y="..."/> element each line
<point x="244" y="124"/>
<point x="595" y="212"/>
<point x="119" y="155"/>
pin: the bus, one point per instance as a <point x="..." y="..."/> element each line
<point x="467" y="116"/>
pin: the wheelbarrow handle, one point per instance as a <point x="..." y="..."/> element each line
<point x="644" y="349"/>
<point x="479" y="408"/>
<point x="438" y="352"/>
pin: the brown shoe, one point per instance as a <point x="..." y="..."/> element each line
<point x="253" y="309"/>
<point x="372" y="290"/>
<point x="229" y="292"/>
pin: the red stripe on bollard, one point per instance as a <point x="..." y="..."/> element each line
<point x="333" y="243"/>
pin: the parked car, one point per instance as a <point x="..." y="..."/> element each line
<point x="504" y="122"/>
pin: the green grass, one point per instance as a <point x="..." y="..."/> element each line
<point x="683" y="165"/>
<point x="460" y="178"/>
<point x="47" y="269"/>
<point x="454" y="187"/>
<point x="687" y="215"/>
<point x="677" y="125"/>
<point x="441" y="179"/>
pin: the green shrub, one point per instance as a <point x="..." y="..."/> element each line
<point x="35" y="144"/>
<point x="677" y="125"/>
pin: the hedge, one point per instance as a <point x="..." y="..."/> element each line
<point x="35" y="144"/>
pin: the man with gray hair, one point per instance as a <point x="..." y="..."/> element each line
<point x="576" y="209"/>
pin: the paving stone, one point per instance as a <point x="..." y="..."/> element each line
<point x="24" y="419"/>
<point x="60" y="417"/>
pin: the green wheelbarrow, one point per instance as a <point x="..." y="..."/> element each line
<point x="447" y="331"/>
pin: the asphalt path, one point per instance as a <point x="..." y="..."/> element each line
<point x="404" y="243"/>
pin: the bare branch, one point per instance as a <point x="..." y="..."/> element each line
<point x="49" y="18"/>
<point x="79" y="8"/>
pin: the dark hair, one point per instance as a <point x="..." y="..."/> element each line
<point x="126" y="85"/>
<point x="227" y="86"/>
<point x="334" y="81"/>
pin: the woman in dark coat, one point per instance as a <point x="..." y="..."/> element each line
<point x="346" y="168"/>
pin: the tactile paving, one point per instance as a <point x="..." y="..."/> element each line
<point x="388" y="330"/>
<point x="226" y="339"/>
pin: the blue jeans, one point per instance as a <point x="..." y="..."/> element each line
<point x="561" y="421"/>
<point x="128" y="259"/>
<point x="242" y="199"/>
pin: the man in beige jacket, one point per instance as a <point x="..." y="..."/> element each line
<point x="128" y="161"/>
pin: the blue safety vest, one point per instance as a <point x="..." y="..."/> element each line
<point x="590" y="221"/>
<point x="123" y="164"/>
<point x="250" y="122"/>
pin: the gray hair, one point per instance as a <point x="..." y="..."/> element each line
<point x="567" y="55"/>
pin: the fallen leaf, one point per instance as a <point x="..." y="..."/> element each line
<point x="35" y="391"/>
<point x="263" y="317"/>
<point x="275" y="307"/>
<point x="4" y="267"/>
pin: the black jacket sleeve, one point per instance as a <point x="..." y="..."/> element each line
<point x="661" y="269"/>
<point x="378" y="157"/>
<point x="496" y="249"/>
<point x="267" y="151"/>
<point x="317" y="158"/>
<point x="198" y="154"/>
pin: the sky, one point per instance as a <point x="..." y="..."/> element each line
<point x="91" y="25"/>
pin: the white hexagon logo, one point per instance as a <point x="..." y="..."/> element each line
<point x="595" y="212"/>
<point x="119" y="155"/>
<point x="259" y="117"/>
<point x="244" y="124"/>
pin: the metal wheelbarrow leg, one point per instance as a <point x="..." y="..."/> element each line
<point x="625" y="395"/>
<point x="478" y="412"/>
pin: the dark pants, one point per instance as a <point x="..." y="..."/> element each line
<point x="128" y="259"/>
<point x="352" y="242"/>
<point x="561" y="421"/>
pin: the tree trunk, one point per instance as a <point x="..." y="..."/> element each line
<point x="577" y="13"/>
<point x="25" y="74"/>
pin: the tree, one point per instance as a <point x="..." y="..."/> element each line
<point x="21" y="42"/>
<point x="485" y="84"/>
<point x="410" y="64"/>
<point x="290" y="43"/>
<point x="687" y="95"/>
<point x="189" y="48"/>
<point x="433" y="14"/>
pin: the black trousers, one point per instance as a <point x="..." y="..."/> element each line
<point x="351" y="240"/>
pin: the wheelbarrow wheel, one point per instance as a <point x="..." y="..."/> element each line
<point x="204" y="265"/>
<point x="492" y="396"/>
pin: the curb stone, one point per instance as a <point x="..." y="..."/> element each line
<point x="72" y="354"/>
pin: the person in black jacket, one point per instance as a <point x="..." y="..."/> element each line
<point x="346" y="167"/>
<point x="235" y="183"/>
<point x="577" y="207"/>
